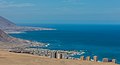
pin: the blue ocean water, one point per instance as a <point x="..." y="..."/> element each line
<point x="101" y="40"/>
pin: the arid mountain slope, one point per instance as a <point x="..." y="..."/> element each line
<point x="4" y="37"/>
<point x="8" y="26"/>
<point x="7" y="58"/>
<point x="5" y="22"/>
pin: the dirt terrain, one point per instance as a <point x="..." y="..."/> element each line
<point x="8" y="58"/>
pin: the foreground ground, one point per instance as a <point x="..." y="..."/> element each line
<point x="8" y="58"/>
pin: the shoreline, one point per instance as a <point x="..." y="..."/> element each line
<point x="27" y="59"/>
<point x="46" y="45"/>
<point x="21" y="49"/>
<point x="59" y="54"/>
<point x="24" y="29"/>
<point x="15" y="32"/>
<point x="42" y="52"/>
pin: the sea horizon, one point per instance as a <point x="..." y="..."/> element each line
<point x="60" y="32"/>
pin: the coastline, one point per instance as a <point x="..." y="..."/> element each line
<point x="15" y="32"/>
<point x="23" y="59"/>
<point x="98" y="60"/>
<point x="21" y="49"/>
<point x="19" y="29"/>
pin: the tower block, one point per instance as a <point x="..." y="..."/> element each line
<point x="88" y="58"/>
<point x="105" y="60"/>
<point x="114" y="60"/>
<point x="82" y="58"/>
<point x="95" y="58"/>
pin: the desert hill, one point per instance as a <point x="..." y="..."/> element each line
<point x="6" y="23"/>
<point x="8" y="26"/>
<point x="4" y="37"/>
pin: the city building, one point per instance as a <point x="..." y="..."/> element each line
<point x="88" y="58"/>
<point x="82" y="58"/>
<point x="95" y="58"/>
<point x="105" y="60"/>
<point x="114" y="60"/>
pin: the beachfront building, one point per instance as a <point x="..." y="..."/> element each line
<point x="88" y="58"/>
<point x="114" y="60"/>
<point x="105" y="60"/>
<point x="52" y="55"/>
<point x="58" y="56"/>
<point x="95" y="58"/>
<point x="61" y="56"/>
<point x="82" y="58"/>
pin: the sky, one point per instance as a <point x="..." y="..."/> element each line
<point x="61" y="11"/>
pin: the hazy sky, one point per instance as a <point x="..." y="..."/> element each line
<point x="61" y="11"/>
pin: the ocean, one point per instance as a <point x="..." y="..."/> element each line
<point x="102" y="40"/>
